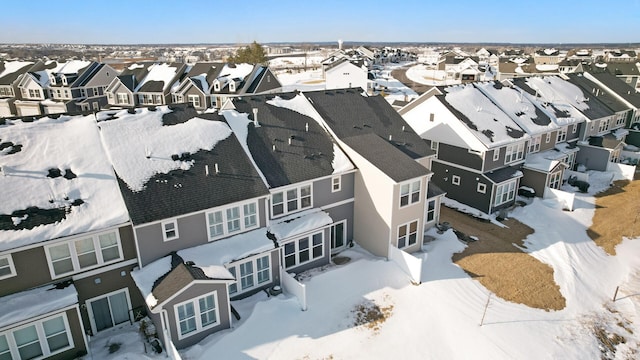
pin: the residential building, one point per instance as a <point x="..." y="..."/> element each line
<point x="346" y="73"/>
<point x="10" y="73"/>
<point x="120" y="92"/>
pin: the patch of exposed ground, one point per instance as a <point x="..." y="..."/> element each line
<point x="500" y="266"/>
<point x="617" y="215"/>
<point x="612" y="331"/>
<point x="372" y="315"/>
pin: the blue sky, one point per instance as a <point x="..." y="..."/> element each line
<point x="240" y="22"/>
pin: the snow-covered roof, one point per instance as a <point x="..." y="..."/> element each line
<point x="299" y="223"/>
<point x="489" y="124"/>
<point x="234" y="71"/>
<point x="147" y="276"/>
<point x="522" y="110"/>
<point x="28" y="304"/>
<point x="562" y="111"/>
<point x="70" y="67"/>
<point x="159" y="72"/>
<point x="140" y="146"/>
<point x="544" y="161"/>
<point x="12" y="66"/>
<point x="554" y="88"/>
<point x="48" y="166"/>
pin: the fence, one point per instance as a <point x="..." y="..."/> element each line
<point x="292" y="286"/>
<point x="410" y="264"/>
<point x="563" y="197"/>
<point x="626" y="171"/>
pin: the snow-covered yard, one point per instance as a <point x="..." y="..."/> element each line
<point x="368" y="308"/>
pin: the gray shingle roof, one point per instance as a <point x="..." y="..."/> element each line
<point x="619" y="87"/>
<point x="603" y="104"/>
<point x="185" y="191"/>
<point x="503" y="174"/>
<point x="310" y="154"/>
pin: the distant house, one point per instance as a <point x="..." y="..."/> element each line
<point x="10" y="73"/>
<point x="242" y="79"/>
<point x="347" y="74"/>
<point x="155" y="88"/>
<point x="120" y="92"/>
<point x="548" y="56"/>
<point x="33" y="86"/>
<point x="624" y="56"/>
<point x="195" y="88"/>
<point x="66" y="245"/>
<point x="480" y="149"/>
<point x="77" y="86"/>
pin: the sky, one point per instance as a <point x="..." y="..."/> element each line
<point x="241" y="22"/>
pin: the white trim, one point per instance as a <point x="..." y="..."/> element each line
<point x="455" y="180"/>
<point x="12" y="268"/>
<point x="283" y="190"/>
<point x="254" y="260"/>
<point x="225" y="220"/>
<point x="104" y="269"/>
<point x="335" y="188"/>
<point x="197" y="315"/>
<point x="338" y="203"/>
<point x="296" y="253"/>
<point x="411" y="192"/>
<point x="505" y="184"/>
<point x="408" y="226"/>
<point x="165" y="236"/>
<point x="481" y="188"/>
<point x="74" y="256"/>
<point x="103" y="296"/>
<point x="496" y="154"/>
<point x="42" y="338"/>
<point x="344" y="234"/>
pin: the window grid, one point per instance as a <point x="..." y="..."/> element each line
<point x="170" y="230"/>
<point x="46" y="337"/>
<point x="514" y="153"/>
<point x="534" y="146"/>
<point x="409" y="193"/>
<point x="253" y="273"/>
<point x="7" y="269"/>
<point x="291" y="200"/>
<point x="83" y="254"/>
<point x="407" y="234"/>
<point x="197" y="315"/>
<point x="336" y="184"/>
<point x="562" y="135"/>
<point x="303" y="250"/>
<point x="232" y="220"/>
<point x="505" y="193"/>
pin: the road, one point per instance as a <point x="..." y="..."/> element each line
<point x="401" y="75"/>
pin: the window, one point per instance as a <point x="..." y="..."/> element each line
<point x="434" y="146"/>
<point x="407" y="234"/>
<point x="253" y="273"/>
<point x="505" y="192"/>
<point x="514" y="152"/>
<point x="232" y="220"/>
<point x="123" y="98"/>
<point x="409" y="193"/>
<point x="291" y="200"/>
<point x="34" y="93"/>
<point x="575" y="128"/>
<point x="83" y="92"/>
<point x="431" y="210"/>
<point x="157" y="99"/>
<point x="338" y="236"/>
<point x="620" y="119"/>
<point x="5" y="91"/>
<point x="496" y="154"/>
<point x="555" y="180"/>
<point x="170" y="230"/>
<point x="455" y="180"/>
<point x="194" y="100"/>
<point x="84" y="253"/>
<point x="534" y="145"/>
<point x="548" y="138"/>
<point x="43" y="338"/>
<point x="303" y="250"/>
<point x="7" y="269"/>
<point x="562" y="135"/>
<point x="197" y="315"/>
<point x="603" y="125"/>
<point x="482" y="188"/>
<point x="336" y="183"/>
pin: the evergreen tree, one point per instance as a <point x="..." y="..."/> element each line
<point x="252" y="54"/>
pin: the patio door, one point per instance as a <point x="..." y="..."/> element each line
<point x="338" y="236"/>
<point x="109" y="310"/>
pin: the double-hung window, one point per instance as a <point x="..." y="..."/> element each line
<point x="7" y="268"/>
<point x="303" y="250"/>
<point x="232" y="220"/>
<point x="194" y="100"/>
<point x="43" y="338"/>
<point x="83" y="253"/>
<point x="123" y="98"/>
<point x="514" y="153"/>
<point x="505" y="193"/>
<point x="291" y="200"/>
<point x="603" y="126"/>
<point x="409" y="193"/>
<point x="196" y="315"/>
<point x="336" y="183"/>
<point x="250" y="274"/>
<point x="170" y="230"/>
<point x="534" y="145"/>
<point x="562" y="135"/>
<point x="407" y="234"/>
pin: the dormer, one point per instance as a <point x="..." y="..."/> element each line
<point x="63" y="77"/>
<point x="234" y="85"/>
<point x="52" y="79"/>
<point x="216" y="85"/>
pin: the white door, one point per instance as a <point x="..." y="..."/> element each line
<point x="109" y="310"/>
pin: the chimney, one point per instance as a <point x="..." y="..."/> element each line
<point x="255" y="117"/>
<point x="306" y="127"/>
<point x="390" y="137"/>
<point x="215" y="166"/>
<point x="206" y="170"/>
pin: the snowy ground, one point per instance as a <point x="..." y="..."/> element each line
<point x="440" y="318"/>
<point x="428" y="75"/>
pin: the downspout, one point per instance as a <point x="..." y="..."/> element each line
<point x="166" y="336"/>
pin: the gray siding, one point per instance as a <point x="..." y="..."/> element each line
<point x="574" y="136"/>
<point x="325" y="259"/>
<point x="102" y="78"/>
<point x="343" y="212"/>
<point x="322" y="195"/>
<point x="193" y="90"/>
<point x="194" y="291"/>
<point x="535" y="180"/>
<point x="633" y="138"/>
<point x="109" y="281"/>
<point x="192" y="231"/>
<point x="77" y="333"/>
<point x="461" y="156"/>
<point x="466" y="192"/>
<point x="594" y="158"/>
<point x="544" y="145"/>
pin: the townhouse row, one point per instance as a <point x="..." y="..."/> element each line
<point x="50" y="87"/>
<point x="496" y="138"/>
<point x="170" y="213"/>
